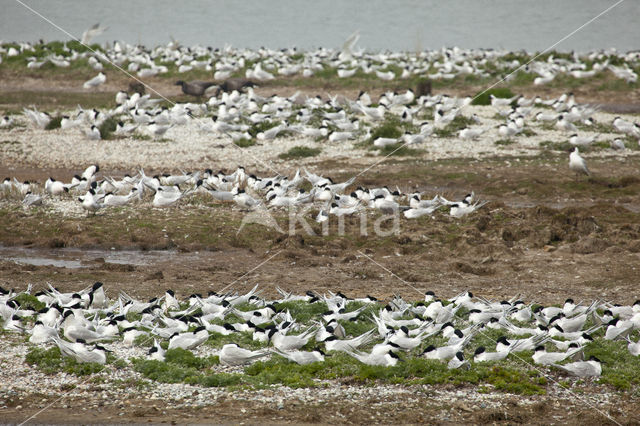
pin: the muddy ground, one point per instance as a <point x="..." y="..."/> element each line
<point x="420" y="410"/>
<point x="544" y="234"/>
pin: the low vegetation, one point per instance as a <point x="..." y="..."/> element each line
<point x="392" y="128"/>
<point x="263" y="126"/>
<point x="484" y="97"/>
<point x="29" y="302"/>
<point x="107" y="128"/>
<point x="514" y="375"/>
<point x="452" y="129"/>
<point x="300" y="152"/>
<point x="51" y="361"/>
<point x="54" y="123"/>
<point x="245" y="143"/>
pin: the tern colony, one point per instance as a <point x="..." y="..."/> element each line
<point x="241" y="116"/>
<point x="313" y="118"/>
<point x="248" y="192"/>
<point x="86" y="323"/>
<point x="266" y="64"/>
<point x="232" y="113"/>
<point x="235" y="114"/>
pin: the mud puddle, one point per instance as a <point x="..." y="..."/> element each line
<point x="74" y="258"/>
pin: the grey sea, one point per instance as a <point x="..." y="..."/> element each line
<point x="399" y="25"/>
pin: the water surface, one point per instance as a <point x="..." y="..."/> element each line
<point x="406" y="25"/>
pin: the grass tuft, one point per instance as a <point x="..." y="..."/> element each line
<point x="482" y="98"/>
<point x="187" y="359"/>
<point x="300" y="152"/>
<point x="451" y="129"/>
<point x="390" y="128"/>
<point x="29" y="302"/>
<point x="262" y="127"/>
<point x="619" y="367"/>
<point x="107" y="128"/>
<point x="165" y="372"/>
<point x="245" y="143"/>
<point x="556" y="146"/>
<point x="51" y="361"/>
<point x="54" y="123"/>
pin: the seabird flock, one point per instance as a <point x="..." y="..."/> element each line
<point x="87" y="325"/>
<point x="268" y="192"/>
<point x="232" y="113"/>
<point x="236" y="109"/>
<point x="84" y="325"/>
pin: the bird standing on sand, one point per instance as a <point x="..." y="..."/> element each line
<point x="577" y="163"/>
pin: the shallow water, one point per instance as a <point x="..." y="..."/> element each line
<point x="396" y="25"/>
<point x="75" y="258"/>
<point x="78" y="258"/>
<point x="46" y="261"/>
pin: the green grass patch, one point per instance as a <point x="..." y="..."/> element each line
<point x="300" y="152"/>
<point x="409" y="371"/>
<point x="107" y="128"/>
<point x="504" y="142"/>
<point x="51" y="361"/>
<point x="390" y="128"/>
<point x="631" y="143"/>
<point x="303" y="312"/>
<point x="262" y="127"/>
<point x="187" y="359"/>
<point x="522" y="78"/>
<point x="166" y="372"/>
<point x="243" y="339"/>
<point x="182" y="366"/>
<point x="141" y="137"/>
<point x="451" y="129"/>
<point x="245" y="143"/>
<point x="596" y="127"/>
<point x="29" y="301"/>
<point x="482" y="98"/>
<point x="619" y="367"/>
<point x="54" y="123"/>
